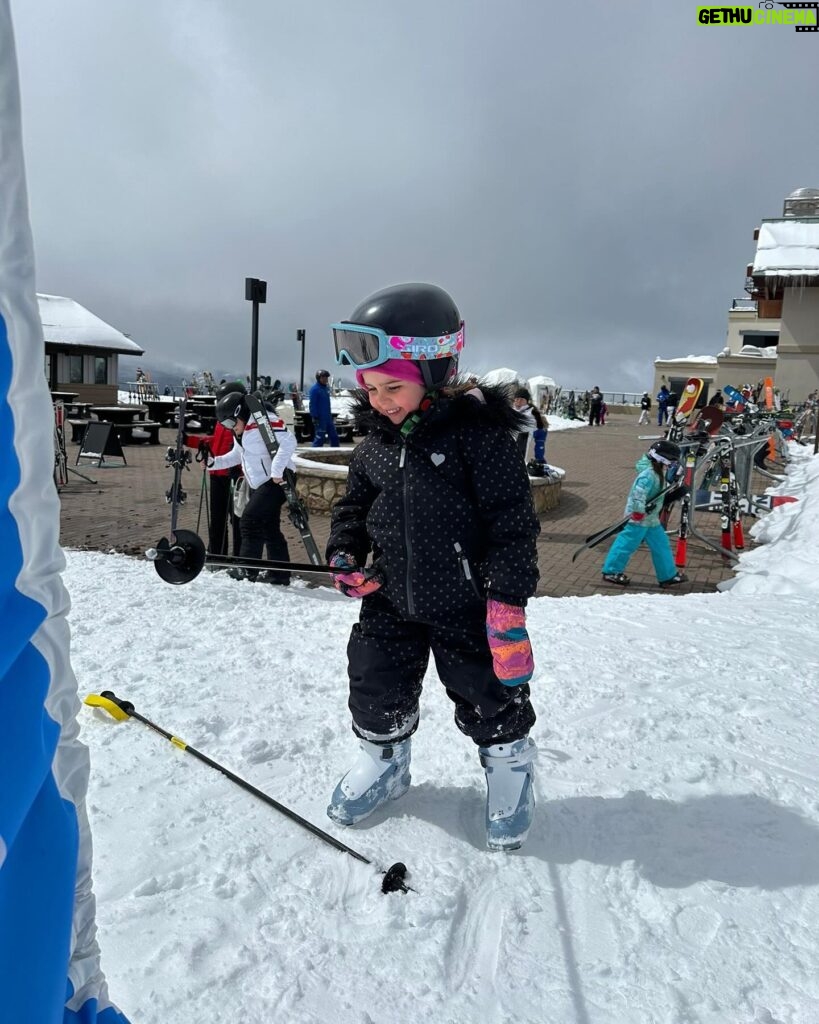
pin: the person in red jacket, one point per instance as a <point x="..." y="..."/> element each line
<point x="221" y="513"/>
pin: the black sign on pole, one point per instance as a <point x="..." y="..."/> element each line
<point x="302" y="337"/>
<point x="255" y="292"/>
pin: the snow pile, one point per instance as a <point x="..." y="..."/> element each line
<point x="788" y="563"/>
<point x="562" y="423"/>
<point x="672" y="873"/>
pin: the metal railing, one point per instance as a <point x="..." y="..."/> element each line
<point x="610" y="397"/>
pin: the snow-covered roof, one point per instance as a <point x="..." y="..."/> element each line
<point x="66" y="322"/>
<point x="687" y="359"/>
<point x="541" y="381"/>
<point x="787" y="248"/>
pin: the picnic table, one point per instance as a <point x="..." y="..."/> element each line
<point x="130" y="422"/>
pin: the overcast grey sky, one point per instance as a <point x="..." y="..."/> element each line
<point x="584" y="178"/>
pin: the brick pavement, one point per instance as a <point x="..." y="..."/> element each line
<point x="124" y="510"/>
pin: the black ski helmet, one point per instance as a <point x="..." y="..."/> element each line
<point x="665" y="452"/>
<point x="232" y="407"/>
<point x="414" y="310"/>
<point x="231" y="386"/>
<point x="322" y="373"/>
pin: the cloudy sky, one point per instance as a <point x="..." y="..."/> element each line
<point x="583" y="178"/>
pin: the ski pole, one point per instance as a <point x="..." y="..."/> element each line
<point x="120" y="710"/>
<point x="183" y="560"/>
<point x="202" y="494"/>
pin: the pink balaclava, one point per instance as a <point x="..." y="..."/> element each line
<point x="403" y="369"/>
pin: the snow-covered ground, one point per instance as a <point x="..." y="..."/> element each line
<point x="672" y="876"/>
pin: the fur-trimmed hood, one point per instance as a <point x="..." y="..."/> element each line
<point x="446" y="508"/>
<point x="459" y="402"/>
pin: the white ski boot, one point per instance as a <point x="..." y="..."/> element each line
<point x="510" y="795"/>
<point x="380" y="773"/>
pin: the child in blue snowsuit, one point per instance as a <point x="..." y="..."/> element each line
<point x="655" y="470"/>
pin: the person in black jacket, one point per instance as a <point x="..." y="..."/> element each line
<point x="439" y="494"/>
<point x="595" y="406"/>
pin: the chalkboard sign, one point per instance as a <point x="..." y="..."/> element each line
<point x="100" y="440"/>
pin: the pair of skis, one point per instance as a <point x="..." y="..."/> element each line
<point x="609" y="531"/>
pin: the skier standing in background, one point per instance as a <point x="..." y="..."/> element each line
<point x="221" y="480"/>
<point x="321" y="412"/>
<point x="645" y="408"/>
<point x="536" y="426"/>
<point x="595" y="406"/>
<point x="663" y="397"/>
<point x="438" y="493"/>
<point x="655" y="470"/>
<point x="260" y="523"/>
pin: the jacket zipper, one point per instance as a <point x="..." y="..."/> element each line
<point x="466" y="569"/>
<point x="402" y="466"/>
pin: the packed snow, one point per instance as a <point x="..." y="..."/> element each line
<point x="671" y="877"/>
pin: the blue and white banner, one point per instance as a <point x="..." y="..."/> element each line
<point x="49" y="958"/>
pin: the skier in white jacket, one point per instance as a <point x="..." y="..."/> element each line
<point x="260" y="522"/>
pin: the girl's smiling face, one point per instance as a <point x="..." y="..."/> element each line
<point x="394" y="398"/>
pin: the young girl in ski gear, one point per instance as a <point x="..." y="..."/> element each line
<point x="439" y="495"/>
<point x="260" y="524"/>
<point x="655" y="471"/>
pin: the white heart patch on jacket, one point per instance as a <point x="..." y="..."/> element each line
<point x="437" y="458"/>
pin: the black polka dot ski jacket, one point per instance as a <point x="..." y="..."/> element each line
<point x="446" y="511"/>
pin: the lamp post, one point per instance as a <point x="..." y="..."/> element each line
<point x="255" y="292"/>
<point x="302" y="337"/>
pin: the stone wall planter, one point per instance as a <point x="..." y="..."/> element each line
<point x="546" y="490"/>
<point x="322" y="480"/>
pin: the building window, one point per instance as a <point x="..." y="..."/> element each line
<point x="759" y="339"/>
<point x="100" y="370"/>
<point x="75" y="369"/>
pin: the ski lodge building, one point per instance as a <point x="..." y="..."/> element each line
<point x="775" y="331"/>
<point x="81" y="351"/>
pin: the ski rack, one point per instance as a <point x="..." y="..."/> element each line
<point x="687" y="527"/>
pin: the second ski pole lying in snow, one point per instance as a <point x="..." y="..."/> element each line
<point x="120" y="710"/>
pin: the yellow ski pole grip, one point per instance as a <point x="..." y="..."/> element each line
<point x="95" y="700"/>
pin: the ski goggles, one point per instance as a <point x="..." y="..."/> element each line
<point x="365" y="347"/>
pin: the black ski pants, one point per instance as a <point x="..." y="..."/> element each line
<point x="388" y="656"/>
<point x="222" y="520"/>
<point x="261" y="526"/>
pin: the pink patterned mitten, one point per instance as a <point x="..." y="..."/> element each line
<point x="356" y="583"/>
<point x="509" y="643"/>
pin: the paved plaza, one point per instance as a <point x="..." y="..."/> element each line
<point x="124" y="510"/>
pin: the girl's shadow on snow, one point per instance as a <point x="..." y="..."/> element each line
<point x="742" y="840"/>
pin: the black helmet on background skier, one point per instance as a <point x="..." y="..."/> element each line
<point x="232" y="407"/>
<point x="322" y="373"/>
<point x="230" y="386"/>
<point x="665" y="452"/>
<point x="414" y="322"/>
